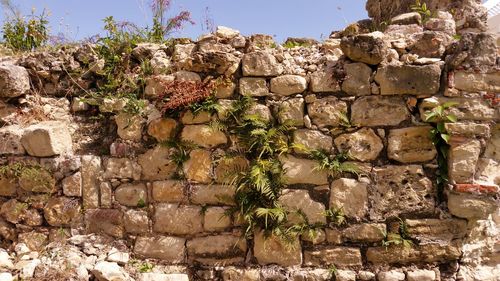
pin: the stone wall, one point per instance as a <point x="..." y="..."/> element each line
<point x="75" y="164"/>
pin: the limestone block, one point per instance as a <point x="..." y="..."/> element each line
<point x="368" y="48"/>
<point x="432" y="230"/>
<point x="350" y="195"/>
<point x="132" y="195"/>
<point x="375" y="111"/>
<point x="203" y="135"/>
<point x="470" y="206"/>
<point x="47" y="138"/>
<point x="107" y="221"/>
<point x="302" y="171"/>
<point x="338" y="256"/>
<point x="409" y="145"/>
<point x="292" y="111"/>
<point x="272" y="250"/>
<point x="327" y="111"/>
<point x="392" y="275"/>
<point x="476" y="109"/>
<point x="407" y="79"/>
<point x="312" y="139"/>
<point x="365" y="232"/>
<point x="462" y="161"/>
<point x="72" y="185"/>
<point x="190" y="118"/>
<point x="253" y="87"/>
<point x="14" y="81"/>
<point x="199" y="166"/>
<point x="10" y="140"/>
<point x="300" y="200"/>
<point x="212" y="194"/>
<point x="166" y="248"/>
<point x="177" y="219"/>
<point x="229" y="167"/>
<point x="129" y="126"/>
<point x="136" y="221"/>
<point x="261" y="63"/>
<point x="357" y="81"/>
<point x="421" y="275"/>
<point x="169" y="191"/>
<point x="428" y="253"/>
<point x="216" y="219"/>
<point x="477" y="82"/>
<point x="224" y="249"/>
<point x="61" y="211"/>
<point x="121" y="168"/>
<point x="91" y="168"/>
<point x="286" y="85"/>
<point x="362" y="145"/>
<point x="323" y="81"/>
<point x="162" y="129"/>
<point x="156" y="163"/>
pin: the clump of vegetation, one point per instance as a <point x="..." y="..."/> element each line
<point x="194" y="95"/>
<point x="400" y="238"/>
<point x="336" y="216"/>
<point x="21" y="32"/>
<point x="31" y="175"/>
<point x="422" y="9"/>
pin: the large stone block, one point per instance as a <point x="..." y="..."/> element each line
<point x="8" y="185"/>
<point x="436" y="230"/>
<point x="273" y="250"/>
<point x="476" y="109"/>
<point x="379" y="111"/>
<point x="286" y="85"/>
<point x="198" y="167"/>
<point x="299" y="200"/>
<point x="47" y="138"/>
<point x="156" y="163"/>
<point x="362" y="145"/>
<point x="324" y="81"/>
<point x="261" y="63"/>
<point x="253" y="87"/>
<point x="121" y="168"/>
<point x="10" y="140"/>
<point x="428" y="253"/>
<point x="166" y="248"/>
<point x="177" y="219"/>
<point x="61" y="211"/>
<point x="368" y="48"/>
<point x="365" y="232"/>
<point x="462" y="161"/>
<point x="292" y="111"/>
<point x="350" y="195"/>
<point x="471" y="206"/>
<point x="129" y="126"/>
<point x="212" y="194"/>
<point x="132" y="195"/>
<point x="409" y="145"/>
<point x="169" y="191"/>
<point x="221" y="250"/>
<point x="107" y="221"/>
<point x="90" y="172"/>
<point x="14" y="81"/>
<point x="357" y="80"/>
<point x="338" y="256"/>
<point x="203" y="135"/>
<point x="327" y="111"/>
<point x="302" y="171"/>
<point x="312" y="139"/>
<point x="136" y="221"/>
<point x="407" y="79"/>
<point x="216" y="219"/>
<point x="162" y="129"/>
<point x="399" y="190"/>
<point x="477" y="82"/>
<point x="229" y="167"/>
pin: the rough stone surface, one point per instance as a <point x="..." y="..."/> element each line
<point x="311" y="139"/>
<point x="222" y="249"/>
<point x="131" y="195"/>
<point x="300" y="200"/>
<point x="477" y="109"/>
<point x="61" y="211"/>
<point x="47" y="138"/>
<point x="421" y="275"/>
<point x="410" y="145"/>
<point x="156" y="163"/>
<point x="368" y="48"/>
<point x="292" y="111"/>
<point x="261" y="63"/>
<point x="470" y="206"/>
<point x="129" y="126"/>
<point x="162" y="129"/>
<point x="253" y="87"/>
<point x="14" y="81"/>
<point x="167" y="248"/>
<point x="216" y="219"/>
<point x="199" y="166"/>
<point x="357" y="81"/>
<point x="379" y="111"/>
<point x="407" y="79"/>
<point x="91" y="166"/>
<point x="121" y="168"/>
<point x="365" y="232"/>
<point x="432" y="230"/>
<point x="462" y="161"/>
<point x="423" y="253"/>
<point x="286" y="85"/>
<point x="272" y="250"/>
<point x="327" y="111"/>
<point x="177" y="219"/>
<point x="363" y="145"/>
<point x="302" y="171"/>
<point x="476" y="82"/>
<point x="203" y="135"/>
<point x="107" y="221"/>
<point x="338" y="256"/>
<point x="229" y="167"/>
<point x="324" y="81"/>
<point x="136" y="221"/>
<point x="10" y="140"/>
<point x="350" y="195"/>
<point x="169" y="191"/>
<point x="212" y="194"/>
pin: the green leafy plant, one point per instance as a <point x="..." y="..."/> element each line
<point x="422" y="9"/>
<point x="335" y="165"/>
<point x="29" y="174"/>
<point x="336" y="216"/>
<point x="209" y="105"/>
<point x="141" y="203"/>
<point x="145" y="267"/>
<point x="400" y="238"/>
<point x="182" y="149"/>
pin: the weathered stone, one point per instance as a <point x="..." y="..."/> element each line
<point x="221" y="250"/>
<point x="462" y="161"/>
<point x="393" y="275"/>
<point x="313" y="275"/>
<point x="407" y="79"/>
<point x="8" y="185"/>
<point x="299" y="200"/>
<point x="470" y="206"/>
<point x="162" y="129"/>
<point x="350" y="195"/>
<point x="362" y="145"/>
<point x="216" y="219"/>
<point x="476" y="82"/>
<point x="14" y="211"/>
<point x="190" y="118"/>
<point x="487" y="172"/>
<point x="10" y="140"/>
<point x="226" y="32"/>
<point x="476" y="109"/>
<point x="407" y="18"/>
<point x="136" y="222"/>
<point x="292" y="111"/>
<point x="38" y="180"/>
<point x="261" y="63"/>
<point x="315" y="237"/>
<point x="474" y="50"/>
<point x="467" y="129"/>
<point x="229" y="167"/>
<point x="210" y="59"/>
<point x="132" y="195"/>
<point x="177" y="219"/>
<point x="145" y="50"/>
<point x="272" y="250"/>
<point x="91" y="166"/>
<point x="432" y="230"/>
<point x="203" y="135"/>
<point x="121" y="168"/>
<point x="108" y="271"/>
<point x="72" y="185"/>
<point x="379" y="111"/>
<point x="345" y="275"/>
<point x="327" y="111"/>
<point x="107" y="221"/>
<point x="399" y="190"/>
<point x="212" y="194"/>
<point x="183" y="75"/>
<point x="357" y="80"/>
<point x="155" y="85"/>
<point x="492" y="150"/>
<point x="129" y="126"/>
<point x="166" y="248"/>
<point x="47" y="138"/>
<point x="324" y="81"/>
<point x="338" y="256"/>
<point x="261" y="111"/>
<point x="199" y="166"/>
<point x="150" y="276"/>
<point x="106" y="191"/>
<point x="170" y="191"/>
<point x="430" y="44"/>
<point x="61" y="211"/>
<point x="160" y="63"/>
<point x="409" y="145"/>
<point x="114" y="255"/>
<point x="333" y="236"/>
<point x="443" y="24"/>
<point x="14" y="81"/>
<point x="115" y="105"/>
<point x="311" y="139"/>
<point x="421" y="275"/>
<point x="225" y="89"/>
<point x="368" y="48"/>
<point x="302" y="171"/>
<point x="156" y="163"/>
<point x="366" y="276"/>
<point x="365" y="232"/>
<point x="253" y="87"/>
<point x="421" y="253"/>
<point x="286" y="85"/>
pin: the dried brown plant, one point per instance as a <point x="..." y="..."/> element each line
<point x="178" y="94"/>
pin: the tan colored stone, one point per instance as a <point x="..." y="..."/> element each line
<point x="169" y="191"/>
<point x="312" y="139"/>
<point x="155" y="85"/>
<point x="121" y="168"/>
<point x="350" y="195"/>
<point x="72" y="185"/>
<point x="131" y="195"/>
<point x="35" y="241"/>
<point x="324" y="81"/>
<point x="190" y="118"/>
<point x="253" y="87"/>
<point x="302" y="171"/>
<point x="327" y="111"/>
<point x="286" y="85"/>
<point x="129" y="126"/>
<point x="106" y="191"/>
<point x="212" y="194"/>
<point x="61" y="211"/>
<point x="462" y="161"/>
<point x="156" y="163"/>
<point x="203" y="135"/>
<point x="362" y="145"/>
<point x="183" y="75"/>
<point x="14" y="211"/>
<point x="407" y="79"/>
<point x="8" y="186"/>
<point x="260" y="110"/>
<point x="375" y="111"/>
<point x="40" y="180"/>
<point x="476" y="109"/>
<point x="107" y="221"/>
<point x="357" y="80"/>
<point x="338" y="256"/>
<point x="392" y="275"/>
<point x="291" y="111"/>
<point x="162" y="129"/>
<point x="477" y="82"/>
<point x="272" y="250"/>
<point x="399" y="190"/>
<point x="409" y="145"/>
<point x="10" y="140"/>
<point x="299" y="200"/>
<point x="432" y="230"/>
<point x="225" y="89"/>
<point x="136" y="222"/>
<point x="488" y="172"/>
<point x="471" y="206"/>
<point x="221" y="250"/>
<point x="369" y="48"/>
<point x="229" y="167"/>
<point x="166" y="248"/>
<point x="177" y="219"/>
<point x="334" y="236"/>
<point x="91" y="167"/>
<point x="417" y="253"/>
<point x="492" y="150"/>
<point x="199" y="166"/>
<point x="365" y="232"/>
<point x="315" y="237"/>
<point x="467" y="129"/>
<point x="14" y="80"/>
<point x="260" y="63"/>
<point x="47" y="138"/>
<point x="216" y="219"/>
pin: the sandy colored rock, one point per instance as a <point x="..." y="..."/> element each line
<point x="166" y="248"/>
<point x="225" y="89"/>
<point x="476" y="109"/>
<point x="129" y="126"/>
<point x="132" y="195"/>
<point x="229" y="167"/>
<point x="312" y="139"/>
<point x="14" y="81"/>
<point x="253" y="87"/>
<point x="162" y="129"/>
<point x="362" y="145"/>
<point x="199" y="166"/>
<point x="177" y="219"/>
<point x="156" y="163"/>
<point x="365" y="232"/>
<point x="432" y="230"/>
<point x="203" y="135"/>
<point x="260" y="63"/>
<point x="379" y="111"/>
<point x="421" y="275"/>
<point x="302" y="171"/>
<point x="350" y="195"/>
<point x="136" y="221"/>
<point x="338" y="256"/>
<point x="324" y="81"/>
<point x="470" y="206"/>
<point x="300" y="200"/>
<point x="462" y="161"/>
<point x="10" y="140"/>
<point x="121" y="168"/>
<point x="216" y="219"/>
<point x="72" y="185"/>
<point x="357" y="80"/>
<point x="47" y="138"/>
<point x="224" y="249"/>
<point x="477" y="82"/>
<point x="212" y="194"/>
<point x="405" y="255"/>
<point x="190" y="118"/>
<point x="286" y="85"/>
<point x="327" y="111"/>
<point x="409" y="145"/>
<point x="407" y="79"/>
<point x="292" y="111"/>
<point x="169" y="191"/>
<point x="272" y="250"/>
<point x="91" y="167"/>
<point x="61" y="211"/>
<point x="106" y="221"/>
<point x="369" y="48"/>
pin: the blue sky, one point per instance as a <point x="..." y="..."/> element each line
<point x="283" y="18"/>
